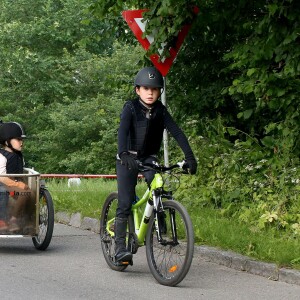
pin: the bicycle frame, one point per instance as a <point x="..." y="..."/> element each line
<point x="141" y="225"/>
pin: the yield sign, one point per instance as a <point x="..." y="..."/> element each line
<point x="134" y="19"/>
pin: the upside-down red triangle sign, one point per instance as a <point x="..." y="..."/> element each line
<point x="134" y="19"/>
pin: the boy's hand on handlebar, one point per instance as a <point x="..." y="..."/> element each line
<point x="192" y="165"/>
<point x="128" y="161"/>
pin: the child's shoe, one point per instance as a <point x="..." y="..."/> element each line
<point x="3" y="226"/>
<point x="13" y="225"/>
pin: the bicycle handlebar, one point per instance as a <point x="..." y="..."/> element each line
<point x="161" y="168"/>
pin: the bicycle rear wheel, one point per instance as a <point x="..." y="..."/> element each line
<point x="107" y="231"/>
<point x="170" y="260"/>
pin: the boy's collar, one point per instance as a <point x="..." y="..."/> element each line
<point x="145" y="105"/>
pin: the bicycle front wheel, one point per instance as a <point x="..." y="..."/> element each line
<point x="107" y="221"/>
<point x="170" y="259"/>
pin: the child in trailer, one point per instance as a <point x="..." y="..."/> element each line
<point x="21" y="218"/>
<point x="140" y="135"/>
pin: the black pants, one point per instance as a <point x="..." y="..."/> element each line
<point x="127" y="181"/>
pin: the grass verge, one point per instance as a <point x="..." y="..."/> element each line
<point x="228" y="234"/>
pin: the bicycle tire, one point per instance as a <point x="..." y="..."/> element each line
<point x="46" y="221"/>
<point x="107" y="240"/>
<point x="170" y="263"/>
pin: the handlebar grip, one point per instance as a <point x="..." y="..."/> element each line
<point x="154" y="166"/>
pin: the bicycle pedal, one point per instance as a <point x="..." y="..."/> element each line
<point x="124" y="263"/>
<point x="127" y="262"/>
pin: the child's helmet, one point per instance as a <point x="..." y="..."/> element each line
<point x="149" y="77"/>
<point x="11" y="130"/>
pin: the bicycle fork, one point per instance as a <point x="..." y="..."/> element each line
<point x="155" y="205"/>
<point x="160" y="222"/>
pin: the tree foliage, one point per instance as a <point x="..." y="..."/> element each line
<point x="58" y="79"/>
<point x="267" y="65"/>
<point x="241" y="60"/>
<point x="83" y="134"/>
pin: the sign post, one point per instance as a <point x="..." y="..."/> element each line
<point x="165" y="136"/>
<point x="134" y="19"/>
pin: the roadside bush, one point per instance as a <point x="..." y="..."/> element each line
<point x="244" y="180"/>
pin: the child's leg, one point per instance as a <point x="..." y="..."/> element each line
<point x="127" y="181"/>
<point x="23" y="210"/>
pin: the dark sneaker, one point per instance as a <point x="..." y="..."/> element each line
<point x="124" y="256"/>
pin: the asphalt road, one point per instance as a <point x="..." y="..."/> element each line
<point x="73" y="268"/>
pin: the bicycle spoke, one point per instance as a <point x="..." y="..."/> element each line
<point x="169" y="259"/>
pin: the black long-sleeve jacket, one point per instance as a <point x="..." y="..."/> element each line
<point x="141" y="129"/>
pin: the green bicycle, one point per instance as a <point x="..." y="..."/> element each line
<point x="165" y="228"/>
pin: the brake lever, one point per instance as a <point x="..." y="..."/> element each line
<point x="184" y="166"/>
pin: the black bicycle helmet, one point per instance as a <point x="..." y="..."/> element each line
<point x="149" y="77"/>
<point x="11" y="130"/>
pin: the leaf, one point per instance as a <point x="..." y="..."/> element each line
<point x="272" y="8"/>
<point x="280" y="92"/>
<point x="236" y="82"/>
<point x="232" y="131"/>
<point x="268" y="141"/>
<point x="247" y="113"/>
<point x="251" y="71"/>
<point x="240" y="115"/>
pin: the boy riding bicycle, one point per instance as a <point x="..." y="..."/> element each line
<point x="140" y="135"/>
